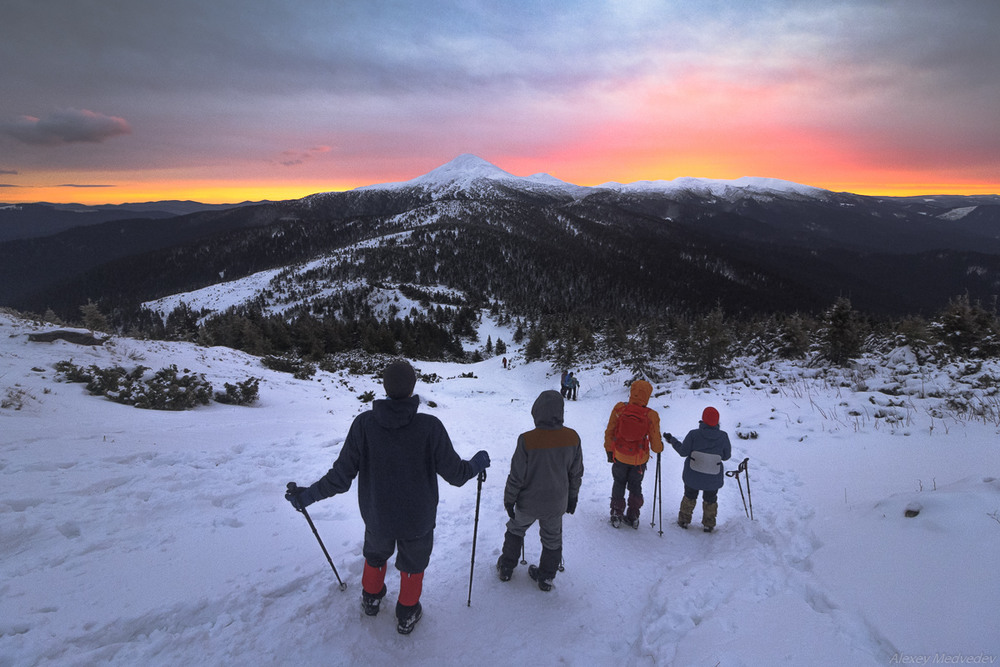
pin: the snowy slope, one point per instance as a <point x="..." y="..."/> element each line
<point x="134" y="537"/>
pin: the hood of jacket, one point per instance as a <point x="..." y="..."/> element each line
<point x="547" y="410"/>
<point x="709" y="432"/>
<point x="395" y="412"/>
<point x="640" y="392"/>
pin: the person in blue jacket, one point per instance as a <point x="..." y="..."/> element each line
<point x="397" y="454"/>
<point x="704" y="449"/>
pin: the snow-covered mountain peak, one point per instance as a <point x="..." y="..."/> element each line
<point x="460" y="173"/>
<point x="465" y="168"/>
<point x="727" y="189"/>
<point x="472" y="175"/>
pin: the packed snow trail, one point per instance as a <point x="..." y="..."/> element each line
<point x="137" y="537"/>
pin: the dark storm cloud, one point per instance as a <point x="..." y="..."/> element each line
<point x="66" y="126"/>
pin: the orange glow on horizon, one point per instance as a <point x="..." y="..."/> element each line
<point x="564" y="167"/>
<point x="206" y="193"/>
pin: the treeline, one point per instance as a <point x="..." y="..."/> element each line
<point x="314" y="332"/>
<point x="707" y="344"/>
<point x="704" y="345"/>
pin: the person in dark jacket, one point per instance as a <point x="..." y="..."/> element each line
<point x="544" y="483"/>
<point x="705" y="448"/>
<point x="396" y="453"/>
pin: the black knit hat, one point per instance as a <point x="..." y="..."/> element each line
<point x="398" y="379"/>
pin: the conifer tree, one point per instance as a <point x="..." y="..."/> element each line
<point x="93" y="318"/>
<point x="841" y="335"/>
<point x="535" y="346"/>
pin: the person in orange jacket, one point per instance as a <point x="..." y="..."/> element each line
<point x="633" y="430"/>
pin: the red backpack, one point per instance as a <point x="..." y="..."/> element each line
<point x="632" y="430"/>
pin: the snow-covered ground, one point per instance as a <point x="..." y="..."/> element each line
<point x="134" y="537"/>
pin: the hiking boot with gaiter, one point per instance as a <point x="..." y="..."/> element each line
<point x="407" y="617"/>
<point x="370" y="602"/>
<point x="632" y="514"/>
<point x="709" y="513"/>
<point x="508" y="555"/>
<point x="687" y="509"/>
<point x="545" y="572"/>
<point x="617" y="511"/>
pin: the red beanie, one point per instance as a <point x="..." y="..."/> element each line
<point x="710" y="416"/>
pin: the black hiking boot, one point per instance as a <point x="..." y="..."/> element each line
<point x="504" y="571"/>
<point x="370" y="602"/>
<point x="407" y="617"/>
<point x="543" y="583"/>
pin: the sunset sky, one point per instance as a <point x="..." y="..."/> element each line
<point x="232" y="100"/>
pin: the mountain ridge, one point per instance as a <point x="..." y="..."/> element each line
<point x="756" y="245"/>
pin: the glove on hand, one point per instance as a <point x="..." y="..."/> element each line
<point x="611" y="457"/>
<point x="480" y="462"/>
<point x="571" y="505"/>
<point x="667" y="437"/>
<point x="299" y="497"/>
<point x="510" y="509"/>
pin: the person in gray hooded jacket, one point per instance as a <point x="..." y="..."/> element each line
<point x="544" y="483"/>
<point x="705" y="448"/>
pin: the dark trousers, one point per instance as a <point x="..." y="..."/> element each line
<point x="710" y="497"/>
<point x="626" y="477"/>
<point x="412" y="556"/>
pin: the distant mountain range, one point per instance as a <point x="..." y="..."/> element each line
<point x="27" y="221"/>
<point x="537" y="244"/>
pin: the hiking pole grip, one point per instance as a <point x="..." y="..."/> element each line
<point x="292" y="488"/>
<point x="736" y="474"/>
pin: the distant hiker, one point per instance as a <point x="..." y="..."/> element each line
<point x="564" y="384"/>
<point x="543" y="484"/>
<point x="705" y="447"/>
<point x="574" y="384"/>
<point x="505" y="363"/>
<point x="632" y="431"/>
<point x="396" y="453"/>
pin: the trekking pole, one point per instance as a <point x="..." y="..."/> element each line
<point x="524" y="561"/>
<point x="562" y="564"/>
<point x="659" y="484"/>
<point x="292" y="489"/>
<point x="736" y="473"/>
<point x="746" y="472"/>
<point x="475" y="531"/>
<point x="656" y="485"/>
